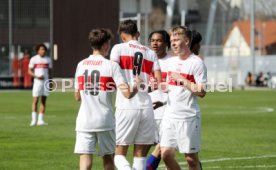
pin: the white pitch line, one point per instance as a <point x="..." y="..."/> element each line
<point x="240" y="167"/>
<point x="229" y="159"/>
<point x="20" y="116"/>
<point x="238" y="158"/>
<point x="236" y="167"/>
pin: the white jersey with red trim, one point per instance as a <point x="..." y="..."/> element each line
<point x="96" y="78"/>
<point x="135" y="58"/>
<point x="41" y="66"/>
<point x="158" y="95"/>
<point x="182" y="103"/>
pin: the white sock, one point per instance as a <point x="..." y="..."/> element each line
<point x="33" y="116"/>
<point x="121" y="163"/>
<point x="40" y="117"/>
<point x="139" y="163"/>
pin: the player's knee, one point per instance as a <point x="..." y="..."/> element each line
<point x="108" y="160"/>
<point x="35" y="100"/>
<point x="191" y="161"/>
<point x="166" y="155"/>
<point x="86" y="165"/>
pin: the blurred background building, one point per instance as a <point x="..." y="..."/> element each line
<point x="63" y="25"/>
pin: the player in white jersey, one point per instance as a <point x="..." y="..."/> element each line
<point x="96" y="79"/>
<point x="134" y="117"/>
<point x="181" y="124"/>
<point x="39" y="68"/>
<point x="159" y="42"/>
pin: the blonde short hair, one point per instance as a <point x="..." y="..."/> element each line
<point x="181" y="31"/>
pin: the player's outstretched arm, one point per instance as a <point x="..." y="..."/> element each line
<point x="197" y="89"/>
<point x="158" y="76"/>
<point x="77" y="96"/>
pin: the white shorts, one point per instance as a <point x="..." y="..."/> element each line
<point x="182" y="135"/>
<point x="40" y="89"/>
<point x="86" y="142"/>
<point x="135" y="126"/>
<point x="157" y="130"/>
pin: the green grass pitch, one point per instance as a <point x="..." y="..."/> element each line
<point x="238" y="132"/>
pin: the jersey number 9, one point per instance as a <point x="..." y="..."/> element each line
<point x="137" y="63"/>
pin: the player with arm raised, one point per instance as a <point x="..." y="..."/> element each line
<point x="96" y="79"/>
<point x="39" y="68"/>
<point x="134" y="117"/>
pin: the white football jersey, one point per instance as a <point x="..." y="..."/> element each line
<point x="182" y="103"/>
<point x="41" y="66"/>
<point x="158" y="95"/>
<point x="96" y="78"/>
<point x="135" y="58"/>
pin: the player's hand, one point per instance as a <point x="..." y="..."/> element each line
<point x="176" y="76"/>
<point x="40" y="77"/>
<point x="157" y="104"/>
<point x="138" y="80"/>
<point x="153" y="83"/>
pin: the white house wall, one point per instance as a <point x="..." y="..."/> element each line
<point x="236" y="45"/>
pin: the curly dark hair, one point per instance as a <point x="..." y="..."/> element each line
<point x="37" y="47"/>
<point x="165" y="35"/>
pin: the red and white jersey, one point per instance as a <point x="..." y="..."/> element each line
<point x="182" y="103"/>
<point x="96" y="78"/>
<point x="135" y="58"/>
<point x="158" y="95"/>
<point x="41" y="66"/>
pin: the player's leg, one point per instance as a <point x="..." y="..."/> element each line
<point x="154" y="159"/>
<point x="42" y="111"/>
<point x="86" y="161"/>
<point x="168" y="144"/>
<point x="189" y="140"/>
<point x="127" y="122"/>
<point x="34" y="103"/>
<point x="168" y="156"/>
<point x="108" y="162"/>
<point x="106" y="144"/>
<point x="120" y="160"/>
<point x="85" y="146"/>
<point x="140" y="153"/>
<point x="145" y="137"/>
<point x="34" y="110"/>
<point x="193" y="161"/>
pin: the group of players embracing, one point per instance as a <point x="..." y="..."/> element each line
<point x="166" y="114"/>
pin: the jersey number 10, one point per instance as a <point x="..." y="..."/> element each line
<point x="93" y="86"/>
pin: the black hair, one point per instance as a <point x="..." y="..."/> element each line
<point x="37" y="47"/>
<point x="165" y="35"/>
<point x="128" y="27"/>
<point x="196" y="38"/>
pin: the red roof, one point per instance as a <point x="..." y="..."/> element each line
<point x="265" y="32"/>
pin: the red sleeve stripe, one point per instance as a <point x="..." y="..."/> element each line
<point x="187" y="76"/>
<point x="105" y="84"/>
<point x="126" y="63"/>
<point x="41" y="66"/>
